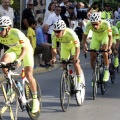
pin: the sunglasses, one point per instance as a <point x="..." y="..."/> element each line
<point x="58" y="31"/>
<point x="2" y="29"/>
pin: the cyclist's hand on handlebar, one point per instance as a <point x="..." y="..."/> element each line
<point x="17" y="63"/>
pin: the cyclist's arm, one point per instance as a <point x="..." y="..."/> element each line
<point x="77" y="53"/>
<point x="54" y="53"/>
<point x="23" y="53"/>
<point x="110" y="42"/>
<point x="84" y="41"/>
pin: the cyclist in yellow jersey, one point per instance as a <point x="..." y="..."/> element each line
<point x="70" y="45"/>
<point x="115" y="45"/>
<point x="19" y="49"/>
<point x="102" y="35"/>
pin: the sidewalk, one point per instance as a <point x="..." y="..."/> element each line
<point x="35" y="71"/>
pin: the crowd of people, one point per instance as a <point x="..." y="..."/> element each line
<point x="74" y="14"/>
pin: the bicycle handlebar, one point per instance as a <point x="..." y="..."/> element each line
<point x="10" y="66"/>
<point x="97" y="51"/>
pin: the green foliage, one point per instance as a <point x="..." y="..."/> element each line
<point x="11" y="2"/>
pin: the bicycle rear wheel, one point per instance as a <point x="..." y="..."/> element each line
<point x="64" y="92"/>
<point x="28" y="94"/>
<point x="80" y="95"/>
<point x="9" y="104"/>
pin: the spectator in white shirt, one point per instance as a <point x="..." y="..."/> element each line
<point x="51" y="20"/>
<point x="50" y="11"/>
<point x="6" y="10"/>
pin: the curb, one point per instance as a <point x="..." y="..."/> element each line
<point x="35" y="71"/>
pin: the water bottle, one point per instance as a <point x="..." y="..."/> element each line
<point x="19" y="85"/>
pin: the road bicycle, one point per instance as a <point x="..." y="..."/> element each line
<point x="68" y="84"/>
<point x="10" y="104"/>
<point x="97" y="80"/>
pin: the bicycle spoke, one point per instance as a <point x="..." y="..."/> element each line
<point x="8" y="103"/>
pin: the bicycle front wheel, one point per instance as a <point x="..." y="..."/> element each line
<point x="80" y="95"/>
<point x="64" y="92"/>
<point x="9" y="104"/>
<point x="94" y="81"/>
<point x="28" y="94"/>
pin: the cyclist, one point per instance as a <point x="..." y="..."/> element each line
<point x="19" y="49"/>
<point x="70" y="45"/>
<point x="102" y="35"/>
<point x="115" y="44"/>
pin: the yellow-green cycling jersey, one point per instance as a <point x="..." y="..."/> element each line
<point x="15" y="40"/>
<point x="115" y="34"/>
<point x="69" y="41"/>
<point x="100" y="35"/>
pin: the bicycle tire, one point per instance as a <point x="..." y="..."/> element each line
<point x="80" y="95"/>
<point x="10" y="101"/>
<point x="64" y="92"/>
<point x="28" y="94"/>
<point x="95" y="84"/>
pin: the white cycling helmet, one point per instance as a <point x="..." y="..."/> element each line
<point x="5" y="21"/>
<point x="59" y="25"/>
<point x="95" y="17"/>
<point x="110" y="21"/>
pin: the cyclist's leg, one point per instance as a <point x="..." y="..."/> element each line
<point x="9" y="56"/>
<point x="94" y="45"/>
<point x="115" y="51"/>
<point x="28" y="67"/>
<point x="105" y="57"/>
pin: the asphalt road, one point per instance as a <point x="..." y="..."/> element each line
<point x="105" y="107"/>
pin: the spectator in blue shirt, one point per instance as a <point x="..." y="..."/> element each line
<point x="42" y="46"/>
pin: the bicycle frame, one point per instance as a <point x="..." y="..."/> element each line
<point x="21" y="96"/>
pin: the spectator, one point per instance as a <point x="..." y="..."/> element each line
<point x="64" y="3"/>
<point x="6" y="10"/>
<point x="64" y="17"/>
<point x="26" y="15"/>
<point x="39" y="9"/>
<point x="39" y="21"/>
<point x="31" y="32"/>
<point x="50" y="11"/>
<point x="51" y="20"/>
<point x="42" y="46"/>
<point x="116" y="15"/>
<point x="95" y="7"/>
<point x="107" y="13"/>
<point x="79" y="30"/>
<point x="80" y="11"/>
